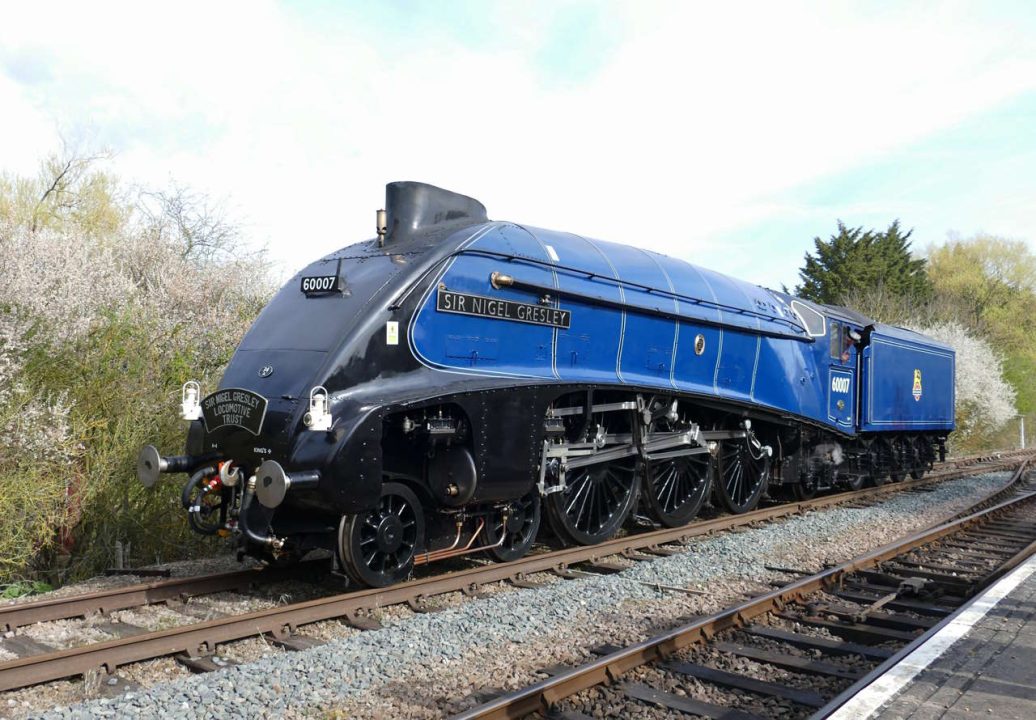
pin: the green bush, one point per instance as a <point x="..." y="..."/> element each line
<point x="105" y="311"/>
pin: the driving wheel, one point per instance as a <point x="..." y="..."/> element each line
<point x="675" y="488"/>
<point x="596" y="500"/>
<point x="743" y="472"/>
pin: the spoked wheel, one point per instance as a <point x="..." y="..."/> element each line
<point x="377" y="547"/>
<point x="886" y="466"/>
<point x="743" y="472"/>
<point x="877" y="479"/>
<point x="854" y="482"/>
<point x="897" y="454"/>
<point x="921" y="458"/>
<point x="876" y="464"/>
<point x="675" y="488"/>
<point x="596" y="501"/>
<point x="519" y="530"/>
<point x="805" y="489"/>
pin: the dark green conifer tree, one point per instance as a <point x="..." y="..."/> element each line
<point x="856" y="261"/>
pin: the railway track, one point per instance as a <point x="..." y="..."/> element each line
<point x="801" y="650"/>
<point x="169" y="591"/>
<point x="175" y="590"/>
<point x="193" y="644"/>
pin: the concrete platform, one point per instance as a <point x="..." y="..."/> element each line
<point x="982" y="663"/>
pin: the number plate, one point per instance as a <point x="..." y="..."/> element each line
<point x="234" y="407"/>
<point x="321" y="284"/>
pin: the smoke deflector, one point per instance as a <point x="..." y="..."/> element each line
<point x="411" y="207"/>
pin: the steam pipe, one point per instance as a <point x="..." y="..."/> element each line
<point x="194" y="512"/>
<point x="242" y="520"/>
<point x="197" y="477"/>
<point x="456" y="541"/>
<point x="425" y="558"/>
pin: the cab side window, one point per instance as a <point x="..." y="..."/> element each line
<point x="812" y="321"/>
<point x="836" y="340"/>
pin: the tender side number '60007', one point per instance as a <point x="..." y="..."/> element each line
<point x="840" y="384"/>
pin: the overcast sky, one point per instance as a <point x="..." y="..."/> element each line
<point x="728" y="134"/>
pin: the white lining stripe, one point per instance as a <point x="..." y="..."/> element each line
<point x="622" y="299"/>
<point x="884" y="688"/>
<point x="755" y="365"/>
<point x="557" y="302"/>
<point x="878" y="342"/>
<point x="453" y="370"/>
<point x="676" y="323"/>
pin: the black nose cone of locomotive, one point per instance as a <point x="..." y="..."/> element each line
<point x="413" y="207"/>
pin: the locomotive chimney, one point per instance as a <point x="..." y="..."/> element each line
<point x="413" y="207"/>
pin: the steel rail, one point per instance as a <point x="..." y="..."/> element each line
<point x="542" y="695"/>
<point x="20" y="614"/>
<point x="843" y="697"/>
<point x="199" y="639"/>
<point x="99" y="602"/>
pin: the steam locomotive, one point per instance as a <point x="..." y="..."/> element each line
<point x="441" y="388"/>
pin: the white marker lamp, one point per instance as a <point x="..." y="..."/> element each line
<point x="319" y="415"/>
<point x="190" y="400"/>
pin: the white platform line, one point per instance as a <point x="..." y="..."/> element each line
<point x="884" y="688"/>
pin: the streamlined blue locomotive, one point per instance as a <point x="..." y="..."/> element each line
<point x="436" y="390"/>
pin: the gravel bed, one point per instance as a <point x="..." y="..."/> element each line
<point x="65" y="633"/>
<point x="328" y="630"/>
<point x="248" y="651"/>
<point x="847" y="662"/>
<point x="152" y="617"/>
<point x="154" y="672"/>
<point x="22" y="703"/>
<point x="233" y="603"/>
<point x="426" y="665"/>
<point x="746" y="666"/>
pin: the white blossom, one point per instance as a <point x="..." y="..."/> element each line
<point x="12" y="345"/>
<point x="985" y="401"/>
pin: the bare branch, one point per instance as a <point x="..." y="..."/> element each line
<point x="63" y="177"/>
<point x="189" y="219"/>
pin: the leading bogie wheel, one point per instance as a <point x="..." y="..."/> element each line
<point x="377" y="547"/>
<point x="518" y="523"/>
<point x="596" y="501"/>
<point x="742" y="474"/>
<point x="675" y="488"/>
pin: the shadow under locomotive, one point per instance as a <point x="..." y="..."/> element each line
<point x="444" y="388"/>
